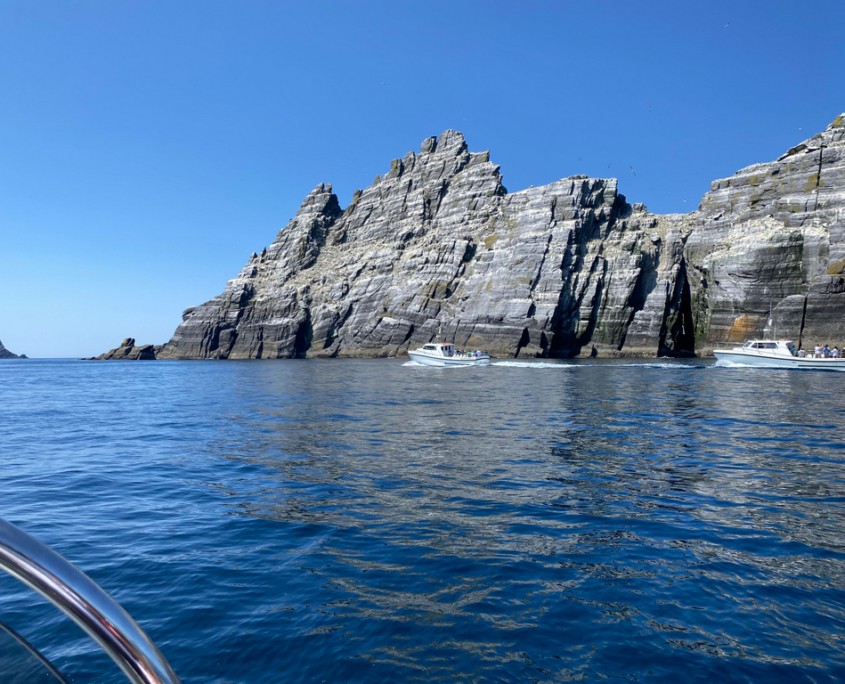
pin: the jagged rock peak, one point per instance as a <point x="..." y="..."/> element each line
<point x="321" y="189"/>
<point x="436" y="247"/>
<point x="448" y="142"/>
<point x="318" y="199"/>
<point x="834" y="133"/>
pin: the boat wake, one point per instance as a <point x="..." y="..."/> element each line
<point x="564" y="365"/>
<point x="722" y="363"/>
<point x="533" y="364"/>
<point x="569" y="366"/>
<point x="414" y="364"/>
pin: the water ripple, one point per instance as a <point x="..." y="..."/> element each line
<point x="371" y="521"/>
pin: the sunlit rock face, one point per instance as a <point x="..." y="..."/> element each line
<point x="437" y="248"/>
<point x="767" y="245"/>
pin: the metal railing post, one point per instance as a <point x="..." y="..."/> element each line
<point x="82" y="599"/>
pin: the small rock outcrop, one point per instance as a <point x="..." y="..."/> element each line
<point x="128" y="351"/>
<point x="6" y="354"/>
<point x="438" y="248"/>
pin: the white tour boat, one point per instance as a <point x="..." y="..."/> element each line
<point x="445" y="354"/>
<point x="776" y="354"/>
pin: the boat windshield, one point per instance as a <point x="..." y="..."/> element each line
<point x="757" y="344"/>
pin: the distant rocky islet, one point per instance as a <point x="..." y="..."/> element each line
<point x="129" y="351"/>
<point x="437" y="248"/>
<point x="6" y="354"/>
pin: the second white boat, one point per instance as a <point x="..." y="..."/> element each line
<point x="445" y="354"/>
<point x="775" y="354"/>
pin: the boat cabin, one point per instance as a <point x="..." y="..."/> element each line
<point x="784" y="347"/>
<point x="442" y="349"/>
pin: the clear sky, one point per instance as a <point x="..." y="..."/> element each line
<point x="147" y="148"/>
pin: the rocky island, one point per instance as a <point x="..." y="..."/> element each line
<point x="128" y="351"/>
<point x="6" y="354"/>
<point x="438" y="248"/>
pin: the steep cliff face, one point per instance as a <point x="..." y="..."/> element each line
<point x="438" y="248"/>
<point x="768" y="243"/>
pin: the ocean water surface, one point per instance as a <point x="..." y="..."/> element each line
<point x="369" y="521"/>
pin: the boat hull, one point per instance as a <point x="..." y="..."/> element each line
<point x="738" y="358"/>
<point x="441" y="362"/>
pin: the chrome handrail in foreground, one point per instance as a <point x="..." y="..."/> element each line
<point x="81" y="599"/>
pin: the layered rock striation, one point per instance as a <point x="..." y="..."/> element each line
<point x="767" y="247"/>
<point x="437" y="248"/>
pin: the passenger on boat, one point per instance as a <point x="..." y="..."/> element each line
<point x="826" y="352"/>
<point x="834" y="353"/>
<point x="817" y="352"/>
<point x="801" y="353"/>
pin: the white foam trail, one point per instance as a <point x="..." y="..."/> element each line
<point x="571" y="366"/>
<point x="564" y="365"/>
<point x="532" y="364"/>
<point x="414" y="364"/>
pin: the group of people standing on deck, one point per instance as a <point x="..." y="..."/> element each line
<point x="825" y="352"/>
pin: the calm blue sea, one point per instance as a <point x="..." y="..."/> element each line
<point x="371" y="521"/>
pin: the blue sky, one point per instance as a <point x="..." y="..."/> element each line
<point x="148" y="148"/>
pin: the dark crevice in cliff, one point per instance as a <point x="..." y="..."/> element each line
<point x="431" y="203"/>
<point x="524" y="341"/>
<point x="408" y="334"/>
<point x="567" y="340"/>
<point x="304" y="335"/>
<point x="550" y="229"/>
<point x="564" y="318"/>
<point x="677" y="334"/>
<point x="818" y="177"/>
<point x="803" y="321"/>
<point x="221" y="342"/>
<point x="539" y="273"/>
<point x="544" y="344"/>
<point x="643" y="286"/>
<point x="598" y="296"/>
<point x="247" y="293"/>
<point x="259" y="347"/>
<point x="206" y="340"/>
<point x="408" y="188"/>
<point x="469" y="252"/>
<point x="331" y="335"/>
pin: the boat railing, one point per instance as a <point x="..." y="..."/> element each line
<point x="86" y="603"/>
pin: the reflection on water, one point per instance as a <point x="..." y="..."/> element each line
<point x="372" y="521"/>
<point x="556" y="522"/>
